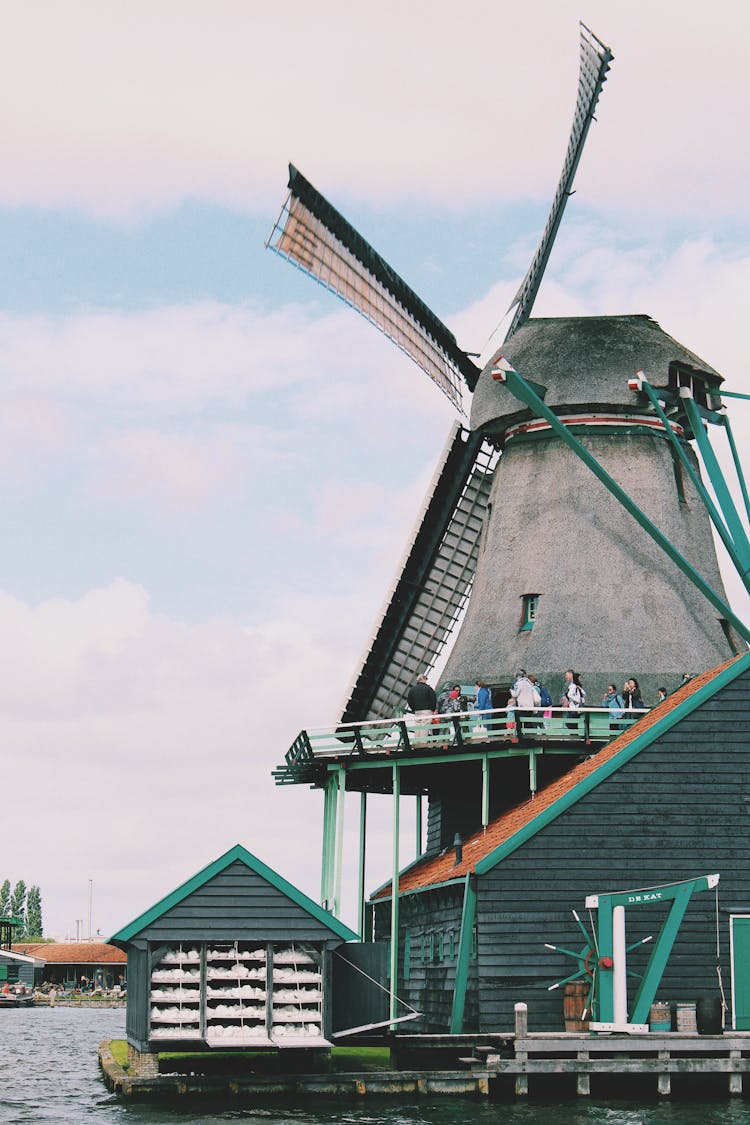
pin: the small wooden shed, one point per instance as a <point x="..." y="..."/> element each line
<point x="235" y="957"/>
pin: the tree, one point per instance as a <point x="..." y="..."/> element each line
<point x="34" y="913"/>
<point x="5" y="898"/>
<point x="18" y="904"/>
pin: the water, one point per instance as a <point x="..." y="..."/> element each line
<point x="49" y="1072"/>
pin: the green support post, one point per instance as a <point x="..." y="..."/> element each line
<point x="419" y="825"/>
<point x="716" y="516"/>
<point x="519" y="387"/>
<point x="604" y="984"/>
<point x="330" y="793"/>
<point x="468" y="916"/>
<point x="660" y="955"/>
<point x="736" y="460"/>
<point x="532" y="772"/>
<point x="485" y="791"/>
<point x="719" y="485"/>
<point x="362" y="857"/>
<point x="393" y="982"/>
<point x="339" y="852"/>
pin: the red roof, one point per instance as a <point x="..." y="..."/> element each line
<point x="72" y="952"/>
<point x="442" y="868"/>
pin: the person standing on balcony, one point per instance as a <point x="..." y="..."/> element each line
<point x="574" y="694"/>
<point x="524" y="693"/>
<point x="421" y="698"/>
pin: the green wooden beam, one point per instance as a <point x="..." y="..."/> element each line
<point x="361" y="868"/>
<point x="737" y="465"/>
<point x="604" y="977"/>
<point x="718" y="483"/>
<point x="330" y="794"/>
<point x="519" y="387"/>
<point x="485" y="790"/>
<point x="339" y="851"/>
<point x="716" y="517"/>
<point x="660" y="954"/>
<point x="418" y="826"/>
<point x="393" y="981"/>
<point x="468" y="915"/>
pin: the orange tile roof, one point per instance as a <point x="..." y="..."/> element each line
<point x="72" y="952"/>
<point x="434" y="870"/>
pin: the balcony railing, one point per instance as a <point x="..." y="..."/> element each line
<point x="454" y="733"/>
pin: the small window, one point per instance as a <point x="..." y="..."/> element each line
<point x="439" y="937"/>
<point x="431" y="948"/>
<point x="422" y="948"/>
<point x="451" y="945"/>
<point x="474" y="944"/>
<point x="530" y="606"/>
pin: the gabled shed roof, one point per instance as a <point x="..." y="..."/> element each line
<point x="234" y="855"/>
<point x="484" y="849"/>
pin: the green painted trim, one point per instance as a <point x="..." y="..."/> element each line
<point x="465" y="941"/>
<point x="641" y="742"/>
<point x="459" y="882"/>
<point x="202" y="877"/>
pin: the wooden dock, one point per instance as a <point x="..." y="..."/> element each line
<point x="467" y="1065"/>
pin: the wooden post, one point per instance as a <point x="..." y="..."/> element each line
<point x="735" y="1077"/>
<point x="361" y="871"/>
<point x="522" y="1028"/>
<point x="664" y="1080"/>
<point x="583" y="1078"/>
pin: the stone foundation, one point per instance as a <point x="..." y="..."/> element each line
<point x="142" y="1064"/>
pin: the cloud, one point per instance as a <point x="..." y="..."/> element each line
<point x="130" y="110"/>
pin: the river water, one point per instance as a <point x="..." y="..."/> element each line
<point x="49" y="1072"/>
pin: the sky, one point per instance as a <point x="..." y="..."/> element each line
<point x="209" y="467"/>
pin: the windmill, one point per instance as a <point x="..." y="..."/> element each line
<point x="551" y="568"/>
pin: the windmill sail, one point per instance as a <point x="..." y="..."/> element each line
<point x="312" y="235"/>
<point x="594" y="64"/>
<point x="434" y="580"/>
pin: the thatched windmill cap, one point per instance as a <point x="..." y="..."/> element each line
<point x="583" y="361"/>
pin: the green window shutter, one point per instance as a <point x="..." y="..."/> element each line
<point x="529" y="611"/>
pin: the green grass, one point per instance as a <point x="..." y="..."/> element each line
<point x="343" y="1059"/>
<point x="119" y="1049"/>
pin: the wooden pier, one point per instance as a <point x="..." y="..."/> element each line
<point x="463" y="1065"/>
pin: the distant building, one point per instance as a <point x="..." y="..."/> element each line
<point x="66" y="963"/>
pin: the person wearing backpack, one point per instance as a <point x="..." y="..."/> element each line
<point x="614" y="701"/>
<point x="524" y="694"/>
<point x="574" y="695"/>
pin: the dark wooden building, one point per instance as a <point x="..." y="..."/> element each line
<point x="235" y="957"/>
<point x="666" y="801"/>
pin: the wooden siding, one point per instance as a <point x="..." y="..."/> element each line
<point x="427" y="922"/>
<point x="237" y="904"/>
<point x="680" y="808"/>
<point x="137" y="1014"/>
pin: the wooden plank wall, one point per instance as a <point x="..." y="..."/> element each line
<point x="237" y="904"/>
<point x="680" y="808"/>
<point x="427" y="922"/>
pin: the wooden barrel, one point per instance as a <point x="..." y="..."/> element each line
<point x="685" y="1011"/>
<point x="660" y="1016"/>
<point x="575" y="995"/>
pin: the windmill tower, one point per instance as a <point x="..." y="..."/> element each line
<point x="612" y="576"/>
